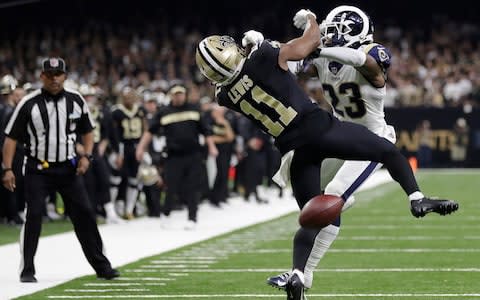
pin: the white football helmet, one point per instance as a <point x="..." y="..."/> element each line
<point x="7" y="84"/>
<point x="219" y="58"/>
<point x="147" y="173"/>
<point x="347" y="26"/>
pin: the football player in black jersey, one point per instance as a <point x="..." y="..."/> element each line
<point x="257" y="83"/>
<point x="128" y="125"/>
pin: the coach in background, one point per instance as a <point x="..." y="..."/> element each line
<point x="182" y="123"/>
<point x="47" y="122"/>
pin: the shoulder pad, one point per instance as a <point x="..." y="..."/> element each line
<point x="381" y="54"/>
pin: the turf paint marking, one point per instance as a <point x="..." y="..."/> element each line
<point x="395" y="227"/>
<point x="407" y="238"/>
<point x="121" y="284"/>
<point x="104" y="290"/>
<point x="255" y="296"/>
<point x="380" y="250"/>
<point x="339" y="270"/>
<point x="173" y="266"/>
<point x="173" y="262"/>
<point x="143" y="279"/>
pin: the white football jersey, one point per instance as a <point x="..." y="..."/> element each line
<point x="350" y="94"/>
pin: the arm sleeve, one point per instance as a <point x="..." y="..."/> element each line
<point x="17" y="125"/>
<point x="205" y="124"/>
<point x="343" y="55"/>
<point x="154" y="123"/>
<point x="114" y="133"/>
<point x="105" y="126"/>
<point x="86" y="123"/>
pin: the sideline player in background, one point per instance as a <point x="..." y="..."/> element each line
<point x="129" y="122"/>
<point x="257" y="83"/>
<point x="353" y="72"/>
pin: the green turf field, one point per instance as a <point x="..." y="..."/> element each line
<point x="382" y="253"/>
<point x="11" y="234"/>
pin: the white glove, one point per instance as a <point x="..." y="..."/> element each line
<point x="252" y="37"/>
<point x="301" y="18"/>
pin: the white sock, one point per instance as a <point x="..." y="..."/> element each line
<point x="322" y="243"/>
<point x="416" y="196"/>
<point x="131" y="199"/>
<point x="110" y="210"/>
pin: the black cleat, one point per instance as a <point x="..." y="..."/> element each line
<point x="279" y="281"/>
<point x="420" y="208"/>
<point x="28" y="278"/>
<point x="294" y="288"/>
<point x="108" y="275"/>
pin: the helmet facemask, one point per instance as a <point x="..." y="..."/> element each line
<point x="347" y="26"/>
<point x="219" y="58"/>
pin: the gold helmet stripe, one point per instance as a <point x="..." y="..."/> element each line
<point x="212" y="61"/>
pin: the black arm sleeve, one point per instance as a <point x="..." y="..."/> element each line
<point x="16" y="127"/>
<point x="85" y="124"/>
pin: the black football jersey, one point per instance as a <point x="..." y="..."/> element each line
<point x="128" y="124"/>
<point x="267" y="94"/>
<point x="101" y="118"/>
<point x="181" y="126"/>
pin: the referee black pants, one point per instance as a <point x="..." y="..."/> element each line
<point x="62" y="178"/>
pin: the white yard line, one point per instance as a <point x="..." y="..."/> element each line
<point x="336" y="270"/>
<point x="255" y="296"/>
<point x="59" y="257"/>
<point x="379" y="250"/>
<point x="121" y="284"/>
<point x="143" y="279"/>
<point x="103" y="290"/>
<point x="177" y="261"/>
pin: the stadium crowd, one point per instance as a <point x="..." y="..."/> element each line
<point x="437" y="68"/>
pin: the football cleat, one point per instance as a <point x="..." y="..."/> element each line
<point x="109" y="274"/>
<point x="420" y="208"/>
<point x="294" y="288"/>
<point x="28" y="279"/>
<point x="279" y="281"/>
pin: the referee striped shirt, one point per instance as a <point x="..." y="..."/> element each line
<point x="48" y="124"/>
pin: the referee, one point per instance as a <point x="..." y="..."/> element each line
<point x="47" y="122"/>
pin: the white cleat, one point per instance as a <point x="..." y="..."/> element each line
<point x="191" y="225"/>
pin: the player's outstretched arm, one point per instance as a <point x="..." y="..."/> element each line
<point x="364" y="62"/>
<point x="300" y="47"/>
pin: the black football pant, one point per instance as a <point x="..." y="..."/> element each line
<point x="97" y="182"/>
<point x="219" y="192"/>
<point x="182" y="174"/>
<point x="62" y="178"/>
<point x="255" y="168"/>
<point x="348" y="141"/>
<point x="152" y="198"/>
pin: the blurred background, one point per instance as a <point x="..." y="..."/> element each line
<point x="110" y="44"/>
<point x="433" y="87"/>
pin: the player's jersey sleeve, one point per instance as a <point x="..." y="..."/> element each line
<point x="154" y="123"/>
<point x="266" y="53"/>
<point x="381" y="55"/>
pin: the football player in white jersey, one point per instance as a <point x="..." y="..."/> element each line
<point x="352" y="70"/>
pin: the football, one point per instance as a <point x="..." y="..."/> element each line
<point x="320" y="211"/>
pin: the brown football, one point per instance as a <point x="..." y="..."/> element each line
<point x="320" y="211"/>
